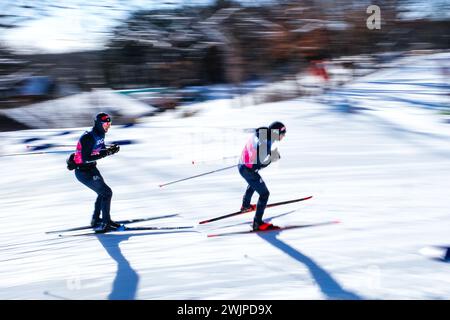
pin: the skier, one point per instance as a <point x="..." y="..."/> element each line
<point x="257" y="154"/>
<point x="90" y="148"/>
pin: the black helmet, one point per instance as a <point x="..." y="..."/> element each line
<point x="102" y="117"/>
<point x="277" y="125"/>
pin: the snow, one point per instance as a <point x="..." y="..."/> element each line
<point x="386" y="180"/>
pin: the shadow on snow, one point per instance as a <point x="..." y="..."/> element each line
<point x="329" y="286"/>
<point x="127" y="279"/>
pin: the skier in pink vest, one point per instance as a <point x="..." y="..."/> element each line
<point x="257" y="154"/>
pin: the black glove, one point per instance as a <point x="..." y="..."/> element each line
<point x="114" y="148"/>
<point x="71" y="165"/>
<point x="111" y="150"/>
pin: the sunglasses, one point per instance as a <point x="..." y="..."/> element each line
<point x="105" y="119"/>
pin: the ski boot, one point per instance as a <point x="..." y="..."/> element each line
<point x="109" y="226"/>
<point x="248" y="208"/>
<point x="95" y="222"/>
<point x="263" y="226"/>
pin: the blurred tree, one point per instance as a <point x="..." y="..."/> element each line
<point x="228" y="41"/>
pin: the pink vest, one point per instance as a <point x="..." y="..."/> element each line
<point x="250" y="152"/>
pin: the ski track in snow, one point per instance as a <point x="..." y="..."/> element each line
<point x="381" y="171"/>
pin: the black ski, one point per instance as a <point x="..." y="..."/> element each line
<point x="272" y="230"/>
<point x="120" y="222"/>
<point x="126" y="229"/>
<point x="147" y="228"/>
<point x="253" y="208"/>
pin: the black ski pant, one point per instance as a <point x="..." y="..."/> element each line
<point x="92" y="179"/>
<point x="255" y="183"/>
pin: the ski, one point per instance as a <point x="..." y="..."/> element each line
<point x="145" y="228"/>
<point x="120" y="222"/>
<point x="289" y="227"/>
<point x="126" y="229"/>
<point x="266" y="219"/>
<point x="253" y="208"/>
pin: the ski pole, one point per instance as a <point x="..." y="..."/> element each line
<point x="213" y="160"/>
<point x="60" y="146"/>
<point x="53" y="146"/>
<point x="33" y="153"/>
<point x="196" y="176"/>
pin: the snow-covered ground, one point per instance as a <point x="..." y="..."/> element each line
<point x="385" y="179"/>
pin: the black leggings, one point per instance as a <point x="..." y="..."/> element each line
<point x="93" y="179"/>
<point x="255" y="183"/>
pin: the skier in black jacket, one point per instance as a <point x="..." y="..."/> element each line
<point x="90" y="148"/>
